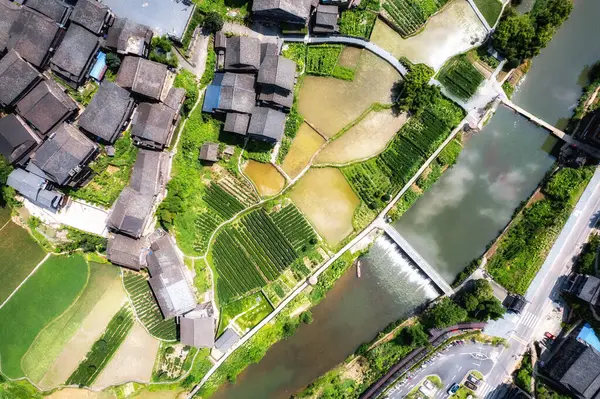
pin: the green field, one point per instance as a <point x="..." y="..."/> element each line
<point x="256" y="249"/>
<point x="322" y="59"/>
<point x="490" y="9"/>
<point x="410" y="15"/>
<point x="45" y="296"/>
<point x="254" y="308"/>
<point x="357" y="23"/>
<point x="4" y="216"/>
<point x="103" y="349"/>
<point x="51" y="341"/>
<point x="146" y="307"/>
<point x="378" y="179"/>
<point x="460" y="77"/>
<point x="20" y="254"/>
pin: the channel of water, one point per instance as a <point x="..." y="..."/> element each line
<point x="450" y="225"/>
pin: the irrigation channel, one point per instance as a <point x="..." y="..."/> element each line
<point x="450" y="225"/>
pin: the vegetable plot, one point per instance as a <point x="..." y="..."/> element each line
<point x="460" y="77"/>
<point x="410" y="15"/>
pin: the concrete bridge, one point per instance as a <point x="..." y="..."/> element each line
<point x="554" y="130"/>
<point x="419" y="261"/>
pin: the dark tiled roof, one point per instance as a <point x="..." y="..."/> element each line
<point x="63" y="154"/>
<point x="277" y="71"/>
<point x="268" y="48"/>
<point x="34" y="189"/>
<point x="149" y="172"/>
<point x="283" y="9"/>
<point x="131" y="213"/>
<point x="220" y="40"/>
<point x="266" y="123"/>
<point x="74" y="57"/>
<point x="237" y="93"/>
<point x="236" y="123"/>
<point x="198" y="332"/>
<point x="91" y="14"/>
<point x="16" y="138"/>
<point x="243" y="53"/>
<point x="153" y="123"/>
<point x="577" y="367"/>
<point x="57" y="10"/>
<point x="327" y="16"/>
<point x="32" y="35"/>
<point x="227" y="340"/>
<point x="129" y="37"/>
<point x="17" y="77"/>
<point x="108" y="112"/>
<point x="144" y="77"/>
<point x="125" y="251"/>
<point x="168" y="282"/>
<point x="175" y="98"/>
<point x="209" y="152"/>
<point x="46" y="106"/>
<point x="275" y="96"/>
<point x="9" y="13"/>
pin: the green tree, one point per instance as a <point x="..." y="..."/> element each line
<point x="413" y="336"/>
<point x="443" y="314"/>
<point x="113" y="62"/>
<point x="213" y="22"/>
<point x="416" y="92"/>
<point x="514" y="37"/>
<point x="306" y="317"/>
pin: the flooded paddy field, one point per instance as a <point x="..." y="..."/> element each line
<point x="452" y="31"/>
<point x="305" y="145"/>
<point x="331" y="104"/>
<point x="266" y="178"/>
<point x="366" y="139"/>
<point x="326" y="198"/>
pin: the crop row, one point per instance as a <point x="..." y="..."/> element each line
<point x="357" y="23"/>
<point x="255" y="251"/>
<point x="294" y="227"/>
<point x="407" y="16"/>
<point x="206" y="223"/>
<point x="239" y="189"/>
<point x="103" y="349"/>
<point x="378" y="179"/>
<point x="146" y="308"/>
<point x="460" y="77"/>
<point x="225" y="204"/>
<point x="321" y="60"/>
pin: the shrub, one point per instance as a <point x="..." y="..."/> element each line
<point x="213" y="22"/>
<point x="306" y="317"/>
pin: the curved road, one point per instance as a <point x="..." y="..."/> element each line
<point x="354" y="41"/>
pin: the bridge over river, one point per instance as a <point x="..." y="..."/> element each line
<point x="421" y="263"/>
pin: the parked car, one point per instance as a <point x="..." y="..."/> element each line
<point x="474" y="380"/>
<point x="428" y="384"/>
<point x="453" y="389"/>
<point x="470" y="385"/>
<point x="549" y="335"/>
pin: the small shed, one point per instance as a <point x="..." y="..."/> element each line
<point x="229" y="151"/>
<point x="209" y="152"/>
<point x="220" y="41"/>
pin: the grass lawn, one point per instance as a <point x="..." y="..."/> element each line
<point x="111" y="174"/>
<point x="50" y="342"/>
<point x="45" y="296"/>
<point x="19" y="255"/>
<point x="463" y="392"/>
<point x="490" y="9"/>
<point x="255" y="305"/>
<point x="4" y="216"/>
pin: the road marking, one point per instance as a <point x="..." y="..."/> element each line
<point x="460" y="368"/>
<point x="529" y="320"/>
<point x="484" y="389"/>
<point x="518" y="339"/>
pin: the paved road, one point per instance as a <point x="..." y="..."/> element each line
<point x="543" y="294"/>
<point x="452" y="366"/>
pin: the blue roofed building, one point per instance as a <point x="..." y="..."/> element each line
<point x="212" y="96"/>
<point x="588" y="336"/>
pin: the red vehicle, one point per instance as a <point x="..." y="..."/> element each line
<point x="549" y="335"/>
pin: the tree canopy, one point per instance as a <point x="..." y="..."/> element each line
<point x="416" y="92"/>
<point x="213" y="22"/>
<point x="522" y="36"/>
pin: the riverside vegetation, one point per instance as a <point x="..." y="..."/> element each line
<point x="476" y="302"/>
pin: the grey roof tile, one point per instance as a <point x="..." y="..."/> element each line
<point x="277" y="71"/>
<point x="9" y="13"/>
<point x="91" y="14"/>
<point x="17" y="77"/>
<point x="129" y="37"/>
<point x="131" y="213"/>
<point x="74" y="57"/>
<point x="243" y="54"/>
<point x="236" y="123"/>
<point x="149" y="172"/>
<point x="108" y="112"/>
<point x="55" y="9"/>
<point x="284" y="10"/>
<point x="143" y="77"/>
<point x="227" y="340"/>
<point x="153" y="124"/>
<point x="267" y="123"/>
<point x="237" y="93"/>
<point x="126" y="251"/>
<point x="16" y="138"/>
<point x="198" y="332"/>
<point x="46" y="106"/>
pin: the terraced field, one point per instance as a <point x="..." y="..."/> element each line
<point x="146" y="307"/>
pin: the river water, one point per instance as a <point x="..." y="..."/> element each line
<point x="353" y="312"/>
<point x="450" y="225"/>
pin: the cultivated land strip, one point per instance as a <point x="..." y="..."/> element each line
<point x="26" y="278"/>
<point x="376" y="224"/>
